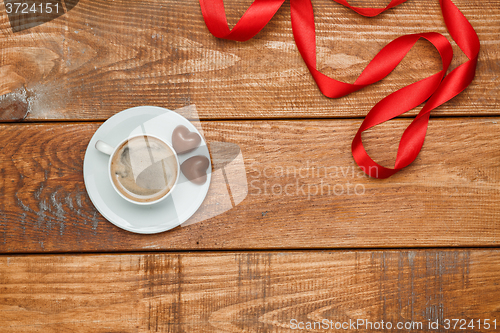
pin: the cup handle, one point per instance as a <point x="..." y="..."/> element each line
<point x="103" y="147"/>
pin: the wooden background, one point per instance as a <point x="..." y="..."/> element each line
<point x="420" y="246"/>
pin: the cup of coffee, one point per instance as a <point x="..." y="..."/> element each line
<point x="143" y="169"/>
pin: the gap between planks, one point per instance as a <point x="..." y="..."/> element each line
<point x="206" y="120"/>
<point x="253" y="251"/>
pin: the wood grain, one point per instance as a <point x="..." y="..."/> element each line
<point x="99" y="59"/>
<point x="246" y="292"/>
<point x="304" y="190"/>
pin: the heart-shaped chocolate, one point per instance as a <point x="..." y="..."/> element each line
<point x="27" y="14"/>
<point x="184" y="141"/>
<point x="195" y="169"/>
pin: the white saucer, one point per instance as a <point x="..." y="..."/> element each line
<point x="183" y="202"/>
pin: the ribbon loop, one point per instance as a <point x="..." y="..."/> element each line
<point x="437" y="88"/>
<point x="254" y="20"/>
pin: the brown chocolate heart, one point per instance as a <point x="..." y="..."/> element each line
<point x="195" y="169"/>
<point x="184" y="141"/>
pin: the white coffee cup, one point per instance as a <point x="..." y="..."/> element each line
<point x="143" y="169"/>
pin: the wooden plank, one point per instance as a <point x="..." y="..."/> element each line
<point x="97" y="60"/>
<point x="304" y="190"/>
<point x="248" y="292"/>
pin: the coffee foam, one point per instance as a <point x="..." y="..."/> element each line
<point x="144" y="169"/>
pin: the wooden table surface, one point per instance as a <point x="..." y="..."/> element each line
<point x="419" y="247"/>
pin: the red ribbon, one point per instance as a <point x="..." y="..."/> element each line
<point x="436" y="89"/>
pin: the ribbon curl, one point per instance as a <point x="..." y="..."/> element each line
<point x="436" y="89"/>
